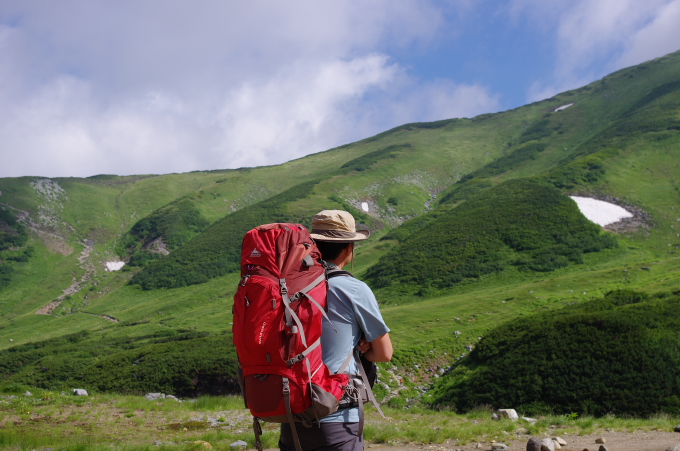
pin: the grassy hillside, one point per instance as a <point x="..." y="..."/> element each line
<point x="619" y="141"/>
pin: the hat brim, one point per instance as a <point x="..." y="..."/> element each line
<point x="359" y="235"/>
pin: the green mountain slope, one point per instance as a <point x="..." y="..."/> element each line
<point x="619" y="140"/>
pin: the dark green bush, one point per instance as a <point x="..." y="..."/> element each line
<point x="13" y="236"/>
<point x="187" y="364"/>
<point x="619" y="354"/>
<point x="584" y="170"/>
<point x="366" y="161"/>
<point x="521" y="222"/>
<point x="539" y="130"/>
<point x="217" y="251"/>
<point x="175" y="223"/>
<point x="470" y="184"/>
<point x="187" y="368"/>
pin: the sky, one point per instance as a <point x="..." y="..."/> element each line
<point x="152" y="87"/>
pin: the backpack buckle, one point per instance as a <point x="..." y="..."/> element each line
<point x="244" y="280"/>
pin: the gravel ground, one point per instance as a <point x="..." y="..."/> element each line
<point x="614" y="441"/>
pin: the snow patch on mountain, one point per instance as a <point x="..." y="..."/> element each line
<point x="601" y="212"/>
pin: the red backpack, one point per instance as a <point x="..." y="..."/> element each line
<point x="278" y="310"/>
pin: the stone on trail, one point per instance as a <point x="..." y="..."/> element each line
<point x="677" y="428"/>
<point x="600" y="440"/>
<point x="547" y="445"/>
<point x="673" y="448"/>
<point x="80" y="392"/>
<point x="154" y="396"/>
<point x="560" y="440"/>
<point x="529" y="420"/>
<point x="534" y="444"/>
<point x="239" y="444"/>
<point x="495" y="417"/>
<point x="557" y="445"/>
<point x="602" y="448"/>
<point x="28" y="393"/>
<point x="499" y="447"/>
<point x="508" y="413"/>
<point x="171" y="397"/>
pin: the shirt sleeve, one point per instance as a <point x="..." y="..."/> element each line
<point x="367" y="312"/>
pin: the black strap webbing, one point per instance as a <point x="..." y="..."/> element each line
<point x="338" y="272"/>
<point x="364" y="378"/>
<point x="257" y="429"/>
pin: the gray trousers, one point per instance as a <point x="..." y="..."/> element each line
<point x="323" y="437"/>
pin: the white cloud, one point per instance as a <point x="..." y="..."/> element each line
<point x="306" y="108"/>
<point x="595" y="37"/>
<point x="129" y="87"/>
<point x="659" y="37"/>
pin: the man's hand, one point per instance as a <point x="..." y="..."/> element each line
<point x="364" y="346"/>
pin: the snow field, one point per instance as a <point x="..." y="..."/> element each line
<point x="114" y="266"/>
<point x="600" y="212"/>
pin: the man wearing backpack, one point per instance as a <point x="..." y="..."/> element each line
<point x="355" y="320"/>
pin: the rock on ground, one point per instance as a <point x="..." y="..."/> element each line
<point x="508" y="413"/>
<point x="547" y="445"/>
<point x="534" y="444"/>
<point x="80" y="392"/>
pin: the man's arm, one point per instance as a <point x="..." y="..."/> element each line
<point x="381" y="349"/>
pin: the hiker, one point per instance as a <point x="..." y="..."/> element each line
<point x="355" y="320"/>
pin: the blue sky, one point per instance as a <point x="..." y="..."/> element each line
<point x="131" y="87"/>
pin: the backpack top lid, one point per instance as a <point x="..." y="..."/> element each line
<point x="285" y="250"/>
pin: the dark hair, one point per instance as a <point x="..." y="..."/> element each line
<point x="330" y="250"/>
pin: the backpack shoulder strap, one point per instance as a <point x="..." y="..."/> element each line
<point x="338" y="272"/>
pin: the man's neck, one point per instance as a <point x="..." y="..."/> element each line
<point x="337" y="262"/>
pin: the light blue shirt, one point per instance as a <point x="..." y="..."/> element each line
<point x="354" y="311"/>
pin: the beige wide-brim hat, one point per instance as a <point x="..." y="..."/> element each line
<point x="337" y="226"/>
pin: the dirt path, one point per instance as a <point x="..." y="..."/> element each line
<point x="614" y="441"/>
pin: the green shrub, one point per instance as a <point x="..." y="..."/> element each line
<point x="13" y="236"/>
<point x="175" y="223"/>
<point x="539" y="130"/>
<point x="521" y="222"/>
<point x="582" y="171"/>
<point x="217" y="251"/>
<point x="471" y="184"/>
<point x="188" y="368"/>
<point x="187" y="364"/>
<point x="619" y="354"/>
<point x="364" y="162"/>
